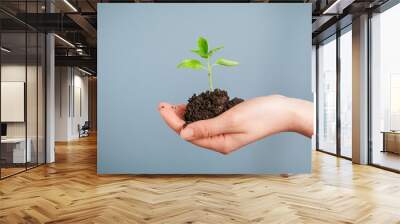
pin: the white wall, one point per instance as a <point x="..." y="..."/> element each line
<point x="33" y="127"/>
<point x="15" y="72"/>
<point x="80" y="109"/>
<point x="62" y="82"/>
<point x="70" y="83"/>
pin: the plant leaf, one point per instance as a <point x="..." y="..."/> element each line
<point x="191" y="63"/>
<point x="211" y="52"/>
<point x="226" y="62"/>
<point x="202" y="44"/>
<point x="201" y="54"/>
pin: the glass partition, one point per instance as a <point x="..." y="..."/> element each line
<point x="32" y="95"/>
<point x="22" y="101"/>
<point x="327" y="95"/>
<point x="14" y="153"/>
<point x="41" y="107"/>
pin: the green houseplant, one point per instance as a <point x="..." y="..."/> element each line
<point x="203" y="52"/>
<point x="213" y="102"/>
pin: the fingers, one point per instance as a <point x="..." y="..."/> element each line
<point x="172" y="115"/>
<point x="180" y="110"/>
<point x="216" y="134"/>
<point x="207" y="128"/>
<point x="224" y="144"/>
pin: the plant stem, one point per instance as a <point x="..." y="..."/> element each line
<point x="209" y="68"/>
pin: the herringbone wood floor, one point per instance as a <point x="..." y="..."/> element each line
<point x="70" y="191"/>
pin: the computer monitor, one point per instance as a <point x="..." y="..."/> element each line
<point x="3" y="129"/>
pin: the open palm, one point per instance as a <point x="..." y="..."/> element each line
<point x="243" y="124"/>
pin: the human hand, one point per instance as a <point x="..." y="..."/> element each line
<point x="243" y="124"/>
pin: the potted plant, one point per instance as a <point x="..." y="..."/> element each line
<point x="212" y="102"/>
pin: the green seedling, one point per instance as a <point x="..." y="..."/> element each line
<point x="203" y="52"/>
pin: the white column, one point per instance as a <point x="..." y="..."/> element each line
<point x="63" y="99"/>
<point x="50" y="92"/>
<point x="360" y="90"/>
<point x="50" y="100"/>
<point x="314" y="92"/>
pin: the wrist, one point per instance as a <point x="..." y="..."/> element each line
<point x="302" y="116"/>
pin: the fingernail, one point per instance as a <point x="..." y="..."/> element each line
<point x="187" y="133"/>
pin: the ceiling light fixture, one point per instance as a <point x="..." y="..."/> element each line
<point x="70" y="5"/>
<point x="79" y="51"/>
<point x="338" y="6"/>
<point x="5" y="50"/>
<point x="84" y="71"/>
<point x="65" y="41"/>
<point x="333" y="6"/>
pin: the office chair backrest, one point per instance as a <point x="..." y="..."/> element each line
<point x="86" y="125"/>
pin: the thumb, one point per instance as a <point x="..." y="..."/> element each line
<point x="205" y="128"/>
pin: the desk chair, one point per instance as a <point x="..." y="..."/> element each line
<point x="84" y="130"/>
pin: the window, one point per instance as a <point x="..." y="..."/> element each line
<point x="385" y="89"/>
<point x="327" y="95"/>
<point x="346" y="92"/>
<point x="333" y="138"/>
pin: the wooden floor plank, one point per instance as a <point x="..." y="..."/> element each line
<point x="70" y="191"/>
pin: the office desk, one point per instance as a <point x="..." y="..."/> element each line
<point x="15" y="148"/>
<point x="391" y="141"/>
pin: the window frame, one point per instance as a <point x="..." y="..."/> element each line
<point x="337" y="35"/>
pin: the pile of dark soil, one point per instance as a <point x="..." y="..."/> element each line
<point x="208" y="104"/>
